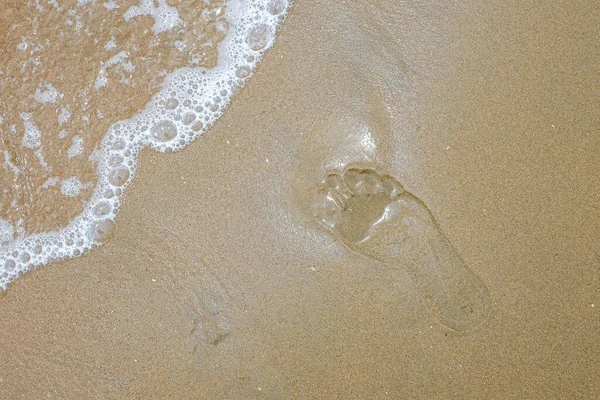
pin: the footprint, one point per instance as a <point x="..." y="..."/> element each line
<point x="374" y="215"/>
<point x="197" y="294"/>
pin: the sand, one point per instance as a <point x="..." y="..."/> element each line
<point x="220" y="283"/>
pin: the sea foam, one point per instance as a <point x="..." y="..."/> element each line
<point x="189" y="102"/>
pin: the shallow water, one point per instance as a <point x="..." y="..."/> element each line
<point x="72" y="69"/>
<point x="80" y="77"/>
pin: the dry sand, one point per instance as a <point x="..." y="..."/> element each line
<point x="219" y="284"/>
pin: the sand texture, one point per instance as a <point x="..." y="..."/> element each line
<point x="225" y="280"/>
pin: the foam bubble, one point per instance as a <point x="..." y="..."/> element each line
<point x="197" y="127"/>
<point x="119" y="176"/>
<point x="102" y="209"/>
<point x="171" y="104"/>
<point x="25" y="257"/>
<point x="243" y="72"/>
<point x="10" y="264"/>
<point x="102" y="231"/>
<point x="115" y="160"/>
<point x="260" y="36"/>
<point x="188" y="118"/>
<point x="277" y="7"/>
<point x="164" y="131"/>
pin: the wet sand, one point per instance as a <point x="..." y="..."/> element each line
<point x="221" y="284"/>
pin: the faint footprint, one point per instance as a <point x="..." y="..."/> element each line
<point x="195" y="288"/>
<point x="374" y="215"/>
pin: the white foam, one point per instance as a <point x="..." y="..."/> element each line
<point x="122" y="59"/>
<point x="71" y="187"/>
<point x="46" y="93"/>
<point x="24" y="44"/>
<point x="190" y="101"/>
<point x="43" y="163"/>
<point x="7" y="232"/>
<point x="9" y="164"/>
<point x="64" y="115"/>
<point x="111" y="44"/>
<point x="32" y="139"/>
<point x="110" y="5"/>
<point x="38" y="6"/>
<point x="166" y="17"/>
<point x="52" y="181"/>
<point x="76" y="147"/>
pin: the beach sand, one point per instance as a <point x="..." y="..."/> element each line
<point x="221" y="284"/>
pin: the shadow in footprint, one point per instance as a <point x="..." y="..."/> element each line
<point x="374" y="215"/>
